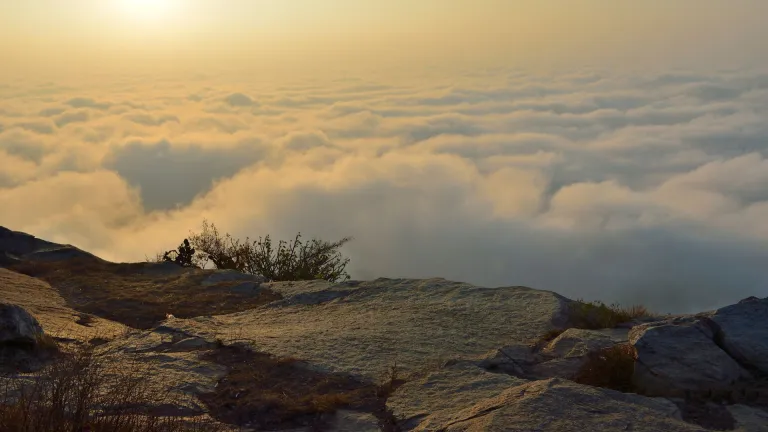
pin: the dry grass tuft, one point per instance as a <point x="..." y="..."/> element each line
<point x="128" y="294"/>
<point x="75" y="393"/>
<point x="609" y="368"/>
<point x="270" y="393"/>
<point x="597" y="315"/>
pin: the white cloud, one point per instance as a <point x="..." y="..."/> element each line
<point x="620" y="188"/>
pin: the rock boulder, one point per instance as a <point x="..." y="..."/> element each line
<point x="17" y="326"/>
<point x="23" y="345"/>
<point x="681" y="354"/>
<point x="742" y="331"/>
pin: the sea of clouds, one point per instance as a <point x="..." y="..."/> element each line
<point x="645" y="189"/>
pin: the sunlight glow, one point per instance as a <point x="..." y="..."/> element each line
<point x="147" y="11"/>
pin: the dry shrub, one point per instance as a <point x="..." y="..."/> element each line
<point x="76" y="392"/>
<point x="609" y="368"/>
<point x="27" y="356"/>
<point x="287" y="261"/>
<point x="271" y="393"/>
<point x="597" y="315"/>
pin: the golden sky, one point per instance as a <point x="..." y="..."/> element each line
<point x="580" y="146"/>
<point x="347" y="33"/>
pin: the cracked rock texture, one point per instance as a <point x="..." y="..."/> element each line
<point x="464" y="354"/>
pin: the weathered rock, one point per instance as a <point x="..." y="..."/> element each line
<point x="16" y="245"/>
<point x="561" y="357"/>
<point x="23" y="345"/>
<point x="51" y="310"/>
<point x="192" y="344"/>
<point x="749" y="419"/>
<point x="742" y="331"/>
<point x="430" y="402"/>
<point x="681" y="354"/>
<point x="364" y="327"/>
<point x="7" y="259"/>
<point x="19" y="244"/>
<point x="463" y="351"/>
<point x="558" y="405"/>
<point x="580" y="342"/>
<point x="516" y="360"/>
<point x="566" y="354"/>
<point x="350" y="421"/>
<point x="231" y="276"/>
<point x="180" y="375"/>
<point x="17" y="326"/>
<point x="62" y="253"/>
<point x="162" y="269"/>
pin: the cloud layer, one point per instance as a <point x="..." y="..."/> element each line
<point x="650" y="189"/>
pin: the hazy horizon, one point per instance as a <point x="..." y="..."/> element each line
<point x="599" y="149"/>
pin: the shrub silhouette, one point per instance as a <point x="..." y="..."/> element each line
<point x="184" y="255"/>
<point x="78" y="393"/>
<point x="287" y="261"/>
<point x="597" y="315"/>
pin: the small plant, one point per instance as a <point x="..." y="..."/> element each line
<point x="271" y="393"/>
<point x="184" y="255"/>
<point x="76" y="393"/>
<point x="597" y="315"/>
<point x="611" y="368"/>
<point x="289" y="261"/>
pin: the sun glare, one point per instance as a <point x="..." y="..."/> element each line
<point x="146" y="11"/>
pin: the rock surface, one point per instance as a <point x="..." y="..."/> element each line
<point x="17" y="326"/>
<point x="681" y="354"/>
<point x="452" y="356"/>
<point x="16" y="245"/>
<point x="365" y="327"/>
<point x="50" y="309"/>
<point x="431" y="401"/>
<point x="557" y="405"/>
<point x="742" y="331"/>
<point x="23" y="344"/>
<point x="565" y="355"/>
<point x="749" y="419"/>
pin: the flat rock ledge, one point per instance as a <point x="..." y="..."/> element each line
<point x="442" y="355"/>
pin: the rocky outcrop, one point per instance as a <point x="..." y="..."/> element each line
<point x="412" y="355"/>
<point x="681" y="354"/>
<point x="565" y="355"/>
<point x="475" y="404"/>
<point x="17" y="246"/>
<point x="741" y="330"/>
<point x="431" y="401"/>
<point x="50" y="309"/>
<point x="366" y="327"/>
<point x="17" y="326"/>
<point x="714" y="350"/>
<point x="23" y="344"/>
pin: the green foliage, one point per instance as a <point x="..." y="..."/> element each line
<point x="287" y="261"/>
<point x="596" y="315"/>
<point x="184" y="255"/>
